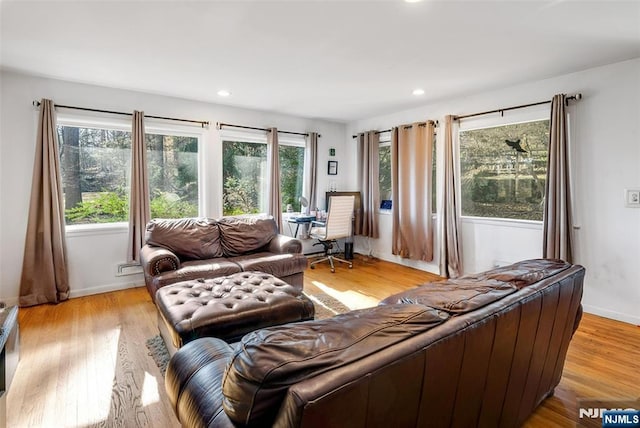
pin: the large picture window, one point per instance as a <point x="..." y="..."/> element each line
<point x="503" y="170"/>
<point x="95" y="167"/>
<point x="245" y="175"/>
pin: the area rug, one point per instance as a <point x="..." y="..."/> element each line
<point x="325" y="306"/>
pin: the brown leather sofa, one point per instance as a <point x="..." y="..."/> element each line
<point x="482" y="350"/>
<point x="203" y="248"/>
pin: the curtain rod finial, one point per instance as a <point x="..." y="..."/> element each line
<point x="35" y="103"/>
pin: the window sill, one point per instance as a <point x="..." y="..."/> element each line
<point x="95" y="229"/>
<point x="503" y="222"/>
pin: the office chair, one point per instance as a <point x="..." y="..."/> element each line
<point x="338" y="225"/>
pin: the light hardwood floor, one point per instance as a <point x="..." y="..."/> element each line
<point x="82" y="360"/>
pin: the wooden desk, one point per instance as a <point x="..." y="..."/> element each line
<point x="298" y="220"/>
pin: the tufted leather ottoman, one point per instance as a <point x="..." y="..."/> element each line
<point x="227" y="307"/>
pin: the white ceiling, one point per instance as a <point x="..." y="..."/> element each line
<point x="337" y="60"/>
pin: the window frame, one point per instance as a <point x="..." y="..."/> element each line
<point x="259" y="137"/>
<point x="531" y="114"/>
<point x="121" y="124"/>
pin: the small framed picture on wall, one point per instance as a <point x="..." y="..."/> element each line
<point x="332" y="168"/>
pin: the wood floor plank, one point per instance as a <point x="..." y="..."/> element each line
<point x="84" y="362"/>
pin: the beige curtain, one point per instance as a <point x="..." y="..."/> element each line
<point x="449" y="224"/>
<point x="311" y="169"/>
<point x="45" y="278"/>
<point x="368" y="165"/>
<point x="411" y="182"/>
<point x="273" y="159"/>
<point x="139" y="211"/>
<point x="558" y="225"/>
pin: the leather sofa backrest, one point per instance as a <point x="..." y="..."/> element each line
<point x="270" y="360"/>
<point x="487" y="367"/>
<point x="246" y="234"/>
<point x="461" y="295"/>
<point x="187" y="238"/>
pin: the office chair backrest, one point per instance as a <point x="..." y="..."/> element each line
<point x="339" y="217"/>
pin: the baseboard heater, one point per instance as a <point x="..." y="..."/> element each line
<point x="125" y="269"/>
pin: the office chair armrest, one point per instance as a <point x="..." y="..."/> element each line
<point x="318" y="223"/>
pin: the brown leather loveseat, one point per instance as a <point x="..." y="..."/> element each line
<point x="482" y="350"/>
<point x="194" y="248"/>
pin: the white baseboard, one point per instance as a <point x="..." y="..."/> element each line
<point x="104" y="289"/>
<point x="13" y="301"/>
<point x="424" y="266"/>
<point x="606" y="313"/>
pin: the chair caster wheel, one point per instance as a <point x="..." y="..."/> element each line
<point x="350" y="266"/>
<point x="333" y="271"/>
<point x="312" y="266"/>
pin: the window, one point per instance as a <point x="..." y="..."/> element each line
<point x="384" y="175"/>
<point x="95" y="163"/>
<point x="245" y="175"/>
<point x="291" y="175"/>
<point x="172" y="165"/>
<point x="503" y="170"/>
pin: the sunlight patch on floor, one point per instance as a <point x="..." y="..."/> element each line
<point x="101" y="363"/>
<point x="149" y="393"/>
<point x="350" y="298"/>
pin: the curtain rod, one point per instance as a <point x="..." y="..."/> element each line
<point x="202" y="123"/>
<point x="219" y="125"/>
<point x="435" y="123"/>
<point x="502" y="110"/>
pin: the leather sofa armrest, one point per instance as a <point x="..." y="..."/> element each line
<point x="282" y="244"/>
<point x="155" y="260"/>
<point x="193" y="382"/>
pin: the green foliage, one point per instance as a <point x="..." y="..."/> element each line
<point x="167" y="205"/>
<point x="108" y="207"/>
<point x="95" y="169"/>
<point x="111" y="207"/>
<point x="240" y="196"/>
<point x="243" y="172"/>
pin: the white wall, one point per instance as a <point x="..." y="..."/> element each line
<point x="94" y="255"/>
<point x="605" y="131"/>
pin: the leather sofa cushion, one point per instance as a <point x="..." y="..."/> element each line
<point x="280" y="265"/>
<point x="191" y="270"/>
<point x="241" y="235"/>
<point x="468" y="293"/>
<point x="188" y="238"/>
<point x="268" y="361"/>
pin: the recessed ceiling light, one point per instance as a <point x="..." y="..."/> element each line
<point x="418" y="91"/>
<point x="224" y="93"/>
